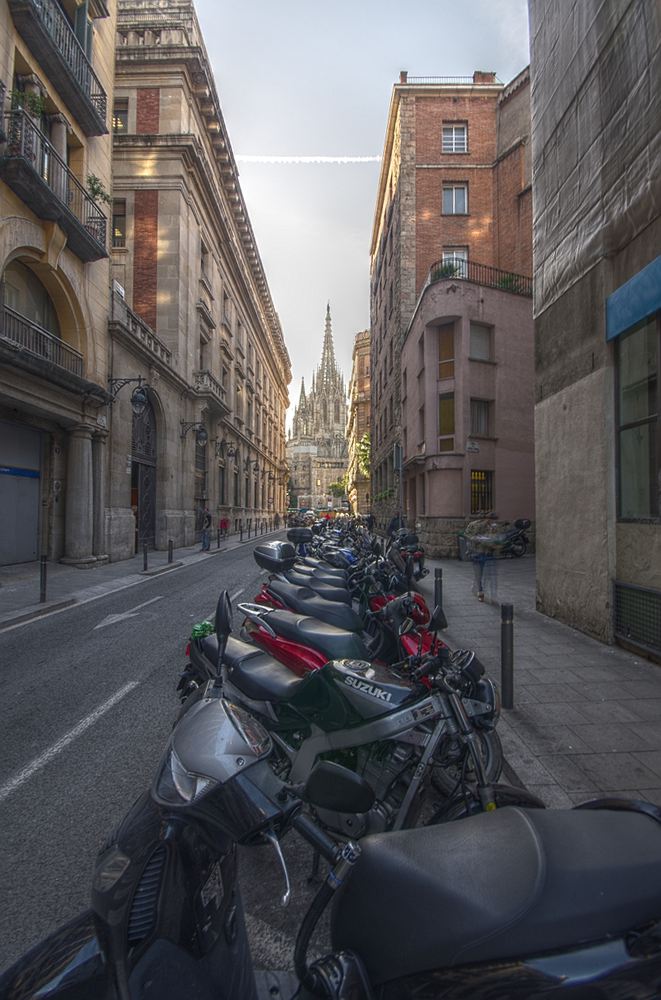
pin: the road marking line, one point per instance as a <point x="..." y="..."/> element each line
<point x="73" y="734"/>
<point x="238" y="593"/>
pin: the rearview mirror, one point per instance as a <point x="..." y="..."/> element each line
<point x="223" y="625"/>
<point x="331" y="786"/>
<point x="438" y="619"/>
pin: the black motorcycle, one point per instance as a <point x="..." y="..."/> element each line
<point x="515" y="540"/>
<point x="504" y="904"/>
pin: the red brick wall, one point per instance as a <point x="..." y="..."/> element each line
<point x="145" y="255"/>
<point x="435" y="231"/>
<point x="147" y="110"/>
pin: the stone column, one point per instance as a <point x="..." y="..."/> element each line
<point x="99" y="495"/>
<point x="79" y="516"/>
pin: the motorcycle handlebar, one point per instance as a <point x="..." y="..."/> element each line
<point x="315" y="836"/>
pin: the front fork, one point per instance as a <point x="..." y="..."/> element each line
<point x="471" y="739"/>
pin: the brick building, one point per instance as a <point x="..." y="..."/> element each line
<point x="192" y="316"/>
<point x="451" y="316"/>
<point x="56" y="91"/>
<point x="597" y="233"/>
<point x="358" y="423"/>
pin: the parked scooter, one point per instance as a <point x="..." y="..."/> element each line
<point x="515" y="903"/>
<point x="515" y="540"/>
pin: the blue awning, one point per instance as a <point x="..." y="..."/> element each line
<point x="634" y="301"/>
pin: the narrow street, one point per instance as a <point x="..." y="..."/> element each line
<point x="89" y="701"/>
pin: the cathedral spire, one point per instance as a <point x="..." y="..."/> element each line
<point x="301" y="398"/>
<point x="328" y="367"/>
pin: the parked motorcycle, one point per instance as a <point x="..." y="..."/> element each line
<point x="514" y="903"/>
<point x="515" y="540"/>
<point x="398" y="733"/>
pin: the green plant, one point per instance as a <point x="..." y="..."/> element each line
<point x="447" y="270"/>
<point x="510" y="283"/>
<point x="31" y="102"/>
<point x="96" y="190"/>
<point x="364" y="454"/>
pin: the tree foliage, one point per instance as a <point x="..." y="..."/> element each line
<point x="364" y="454"/>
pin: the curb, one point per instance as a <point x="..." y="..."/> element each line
<point x="34" y="611"/>
<point x="160" y="569"/>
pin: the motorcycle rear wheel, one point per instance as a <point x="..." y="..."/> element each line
<point x="518" y="548"/>
<point x="449" y="775"/>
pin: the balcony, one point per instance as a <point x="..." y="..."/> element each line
<point x="21" y="333"/>
<point x="209" y="388"/>
<point x="31" y="167"/>
<point x="135" y="332"/>
<point x="50" y="37"/>
<point x="480" y="274"/>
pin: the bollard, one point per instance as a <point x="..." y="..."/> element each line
<point x="507" y="655"/>
<point x="438" y="588"/>
<point x="249" y="526"/>
<point x="144" y="557"/>
<point x="218" y="539"/>
<point x="42" y="579"/>
<point x="241" y="530"/>
<point x="170" y="550"/>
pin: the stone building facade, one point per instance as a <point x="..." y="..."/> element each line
<point x="56" y="93"/>
<point x="596" y="143"/>
<point x="358" y="424"/>
<point x="192" y="316"/>
<point x="317" y="446"/>
<point x="451" y="312"/>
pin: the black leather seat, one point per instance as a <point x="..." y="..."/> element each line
<point x="306" y="601"/>
<point x="256" y="673"/>
<point x="503" y="885"/>
<point x="315" y="563"/>
<point x="336" y="643"/>
<point x="327" y="590"/>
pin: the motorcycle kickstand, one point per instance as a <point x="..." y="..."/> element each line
<point x="314" y="878"/>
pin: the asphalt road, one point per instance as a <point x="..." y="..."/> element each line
<point x="88" y="704"/>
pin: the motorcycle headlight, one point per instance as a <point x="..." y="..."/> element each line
<point x="178" y="786"/>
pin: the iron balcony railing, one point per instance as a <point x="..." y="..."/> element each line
<point x="18" y="330"/>
<point x="54" y="23"/>
<point x="480" y="274"/>
<point x="27" y="141"/>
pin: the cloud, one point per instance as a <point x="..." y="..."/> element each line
<point x="262" y="158"/>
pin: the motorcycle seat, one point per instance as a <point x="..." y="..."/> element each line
<point x="256" y="673"/>
<point x="315" y="563"/>
<point x="498" y="886"/>
<point x="335" y="642"/>
<point x="306" y="601"/>
<point x="328" y="590"/>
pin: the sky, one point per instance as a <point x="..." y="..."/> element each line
<point x="303" y="79"/>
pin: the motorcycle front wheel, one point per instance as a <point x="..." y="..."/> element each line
<point x="518" y="548"/>
<point x="453" y="767"/>
<point x="468" y="805"/>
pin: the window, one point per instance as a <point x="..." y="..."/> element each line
<point x="480" y="342"/>
<point x="455" y="199"/>
<point x="481" y="417"/>
<point x="481" y="491"/>
<point x="118" y="223"/>
<point x="446" y="421"/>
<point x="639" y="418"/>
<point x="221" y="484"/>
<point x="446" y="352"/>
<point x="455" y="139"/>
<point x="456" y="258"/>
<point x="120" y="116"/>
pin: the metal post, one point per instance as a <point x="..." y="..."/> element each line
<point x="144" y="557"/>
<point x="170" y="550"/>
<point x="42" y="579"/>
<point x="438" y="587"/>
<point x="249" y="526"/>
<point x="241" y="529"/>
<point x="218" y="538"/>
<point x="507" y="655"/>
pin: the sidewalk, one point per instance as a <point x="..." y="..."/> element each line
<point x="586" y="720"/>
<point x="66" y="585"/>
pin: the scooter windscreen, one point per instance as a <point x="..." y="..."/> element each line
<point x="215" y="768"/>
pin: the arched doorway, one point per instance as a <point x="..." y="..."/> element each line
<point x="143" y="477"/>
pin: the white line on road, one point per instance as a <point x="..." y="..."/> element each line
<point x="238" y="593"/>
<point x="112" y="619"/>
<point x="73" y="734"/>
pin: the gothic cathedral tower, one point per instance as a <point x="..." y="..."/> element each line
<point x="317" y="447"/>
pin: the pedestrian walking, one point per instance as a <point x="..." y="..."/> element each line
<point x="484" y="541"/>
<point x="206" y="530"/>
<point x="396" y="522"/>
<point x="370" y="522"/>
<point x="223" y="527"/>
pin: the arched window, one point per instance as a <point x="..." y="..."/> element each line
<point x="24" y="294"/>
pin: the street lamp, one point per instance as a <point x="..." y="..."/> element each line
<point x="201" y="434"/>
<point x="139" y="397"/>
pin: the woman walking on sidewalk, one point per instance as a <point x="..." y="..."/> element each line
<point x="206" y="530"/>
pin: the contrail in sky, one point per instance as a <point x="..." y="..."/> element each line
<point x="259" y="158"/>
